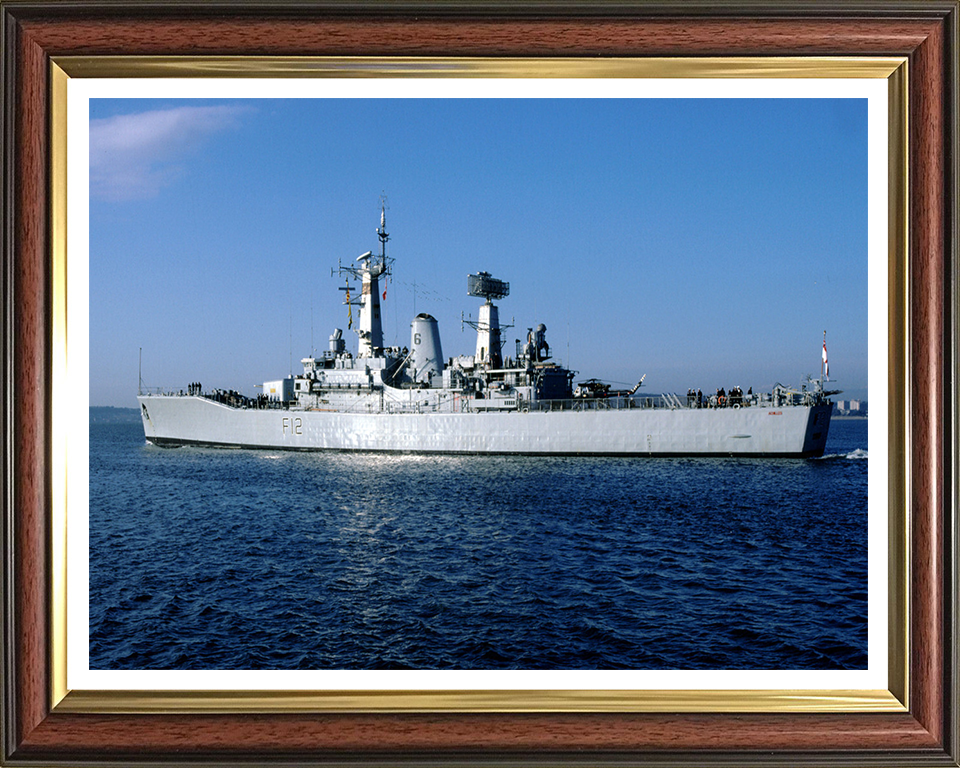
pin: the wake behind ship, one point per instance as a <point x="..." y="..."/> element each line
<point x="411" y="400"/>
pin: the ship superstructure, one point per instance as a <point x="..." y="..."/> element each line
<point x="411" y="399"/>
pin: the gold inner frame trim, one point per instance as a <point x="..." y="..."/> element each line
<point x="430" y="67"/>
<point x="231" y="702"/>
<point x="898" y="414"/>
<point x="892" y="69"/>
<point x="58" y="373"/>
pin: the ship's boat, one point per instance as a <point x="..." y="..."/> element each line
<point x="412" y="400"/>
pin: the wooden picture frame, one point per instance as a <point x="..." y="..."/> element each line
<point x="37" y="731"/>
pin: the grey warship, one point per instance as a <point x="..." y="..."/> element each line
<point x="412" y="400"/>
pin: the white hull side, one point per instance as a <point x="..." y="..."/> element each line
<point x="754" y="431"/>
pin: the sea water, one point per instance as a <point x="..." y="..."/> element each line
<point x="226" y="559"/>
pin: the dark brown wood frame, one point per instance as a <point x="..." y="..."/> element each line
<point x="925" y="32"/>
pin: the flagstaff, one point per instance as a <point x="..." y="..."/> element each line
<point x="824" y="365"/>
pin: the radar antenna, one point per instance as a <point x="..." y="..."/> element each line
<point x="487" y="287"/>
<point x="489" y="343"/>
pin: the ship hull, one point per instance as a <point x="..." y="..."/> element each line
<point x="793" y="431"/>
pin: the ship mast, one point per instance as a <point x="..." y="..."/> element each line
<point x="371" y="268"/>
<point x="488" y="326"/>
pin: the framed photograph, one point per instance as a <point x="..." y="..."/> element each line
<point x="84" y="84"/>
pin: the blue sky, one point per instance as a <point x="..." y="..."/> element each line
<point x="703" y="242"/>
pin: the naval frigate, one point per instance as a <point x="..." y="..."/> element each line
<point x="411" y="400"/>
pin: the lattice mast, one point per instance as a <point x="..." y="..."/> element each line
<point x="371" y="268"/>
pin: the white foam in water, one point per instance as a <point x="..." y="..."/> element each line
<point x="858" y="453"/>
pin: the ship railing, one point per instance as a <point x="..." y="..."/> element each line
<point x="445" y="404"/>
<point x="416" y="408"/>
<point x="665" y="401"/>
<point x="782" y="397"/>
<point x="158" y="391"/>
<point x="673" y="402"/>
<point x="604" y="403"/>
<point x="777" y="399"/>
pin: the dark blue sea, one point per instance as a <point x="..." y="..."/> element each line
<point x="219" y="559"/>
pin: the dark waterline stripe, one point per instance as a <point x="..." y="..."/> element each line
<point x="163" y="442"/>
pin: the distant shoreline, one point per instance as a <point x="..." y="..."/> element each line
<point x="108" y="414"/>
<point x="849" y="418"/>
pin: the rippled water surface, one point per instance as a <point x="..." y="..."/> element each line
<point x="206" y="559"/>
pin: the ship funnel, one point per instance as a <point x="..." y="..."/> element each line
<point x="426" y="356"/>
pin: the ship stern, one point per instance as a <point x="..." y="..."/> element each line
<point x="818" y="427"/>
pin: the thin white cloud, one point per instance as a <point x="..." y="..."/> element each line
<point x="133" y="156"/>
